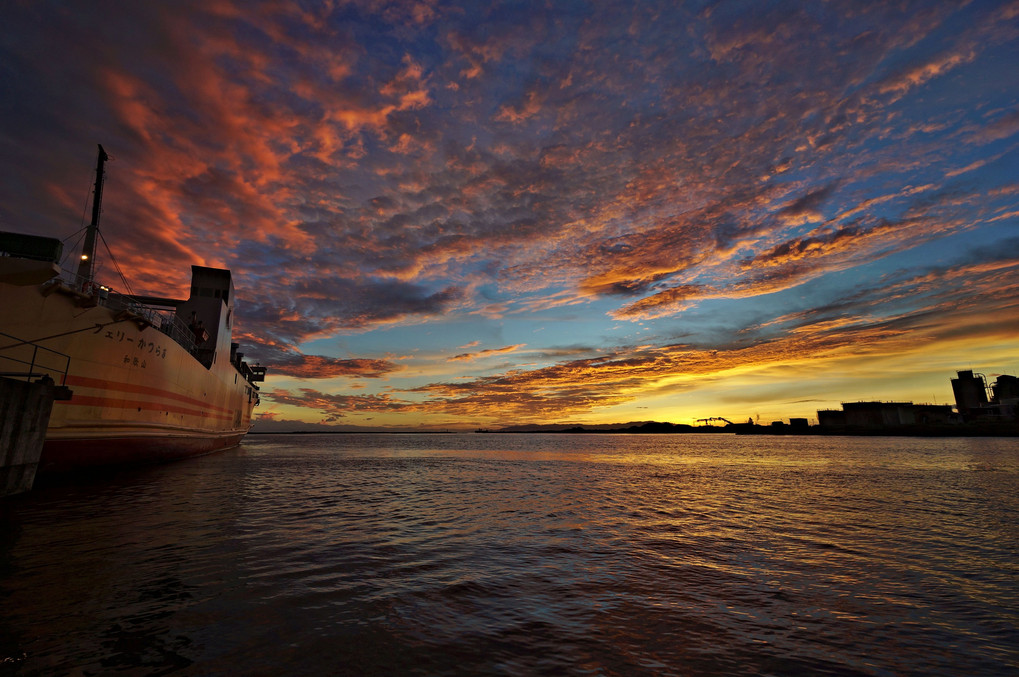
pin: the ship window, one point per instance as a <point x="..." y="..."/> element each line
<point x="206" y="291"/>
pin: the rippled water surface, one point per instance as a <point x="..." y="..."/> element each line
<point x="523" y="555"/>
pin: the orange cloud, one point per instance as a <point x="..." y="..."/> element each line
<point x="528" y="108"/>
<point x="338" y="406"/>
<point x="922" y="73"/>
<point x="469" y="357"/>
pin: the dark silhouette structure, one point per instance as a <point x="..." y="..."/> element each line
<point x="972" y="401"/>
<point x="872" y="415"/>
<point x="978" y="410"/>
<point x="970" y="393"/>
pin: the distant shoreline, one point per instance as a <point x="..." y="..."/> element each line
<point x="1004" y="429"/>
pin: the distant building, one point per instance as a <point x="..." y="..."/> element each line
<point x="831" y="418"/>
<point x="1006" y="388"/>
<point x="973" y="404"/>
<point x="1006" y="396"/>
<point x="970" y="393"/>
<point x="974" y="401"/>
<point x="885" y="414"/>
<point x="874" y="415"/>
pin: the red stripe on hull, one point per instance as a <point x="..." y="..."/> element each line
<point x="119" y="386"/>
<point x="112" y="403"/>
<point x="67" y="455"/>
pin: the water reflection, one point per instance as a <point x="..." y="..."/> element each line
<point x="525" y="555"/>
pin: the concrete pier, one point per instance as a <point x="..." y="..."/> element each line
<point x="24" y="414"/>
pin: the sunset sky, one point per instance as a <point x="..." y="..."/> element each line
<point x="476" y="214"/>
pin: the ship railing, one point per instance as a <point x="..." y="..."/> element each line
<point x="165" y="321"/>
<point x="27" y="360"/>
<point x="177" y="329"/>
<point x="82" y="285"/>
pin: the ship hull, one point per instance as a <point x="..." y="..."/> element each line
<point x="137" y="395"/>
<point x="61" y="456"/>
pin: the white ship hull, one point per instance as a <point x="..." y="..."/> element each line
<point x="138" y="396"/>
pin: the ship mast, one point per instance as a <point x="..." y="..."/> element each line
<point x="88" y="250"/>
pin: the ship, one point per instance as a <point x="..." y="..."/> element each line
<point x="145" y="379"/>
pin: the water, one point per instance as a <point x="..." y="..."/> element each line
<point x="525" y="555"/>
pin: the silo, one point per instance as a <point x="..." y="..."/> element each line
<point x="970" y="392"/>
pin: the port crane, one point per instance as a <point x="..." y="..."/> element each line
<point x="714" y="418"/>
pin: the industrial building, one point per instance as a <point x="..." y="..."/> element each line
<point x="975" y="402"/>
<point x="885" y="415"/>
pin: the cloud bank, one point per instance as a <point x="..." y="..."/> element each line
<point x="747" y="184"/>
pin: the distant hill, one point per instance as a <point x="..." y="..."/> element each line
<point x="288" y="426"/>
<point x="270" y="427"/>
<point x="561" y="427"/>
<point x="980" y="428"/>
<point x="631" y="427"/>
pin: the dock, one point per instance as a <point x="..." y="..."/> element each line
<point x="25" y="408"/>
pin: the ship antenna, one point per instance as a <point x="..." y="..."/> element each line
<point x="88" y="250"/>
